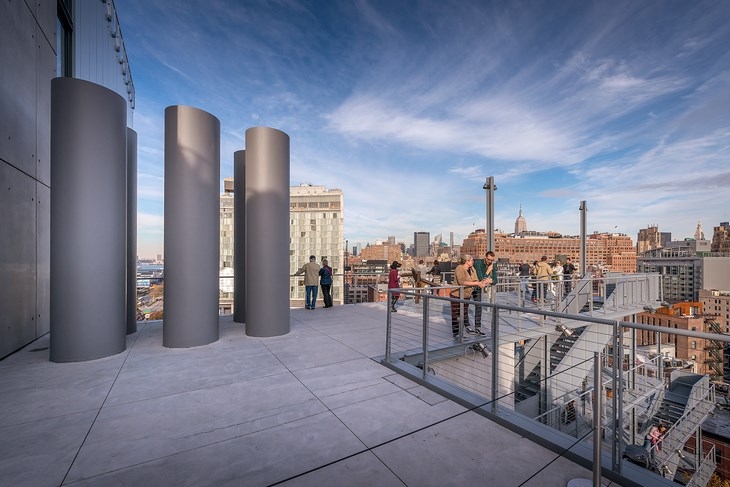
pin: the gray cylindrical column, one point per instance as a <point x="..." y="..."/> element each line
<point x="239" y="236"/>
<point x="192" y="227"/>
<point x="88" y="221"/>
<point x="267" y="232"/>
<point x="131" y="231"/>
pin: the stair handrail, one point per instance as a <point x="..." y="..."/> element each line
<point x="678" y="434"/>
<point x="704" y="471"/>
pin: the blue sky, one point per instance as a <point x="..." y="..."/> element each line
<point x="408" y="106"/>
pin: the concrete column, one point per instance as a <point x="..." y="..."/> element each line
<point x="239" y="236"/>
<point x="267" y="232"/>
<point x="131" y="231"/>
<point x="192" y="227"/>
<point x="88" y="221"/>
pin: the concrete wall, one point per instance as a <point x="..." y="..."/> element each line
<point x="28" y="61"/>
<point x="716" y="273"/>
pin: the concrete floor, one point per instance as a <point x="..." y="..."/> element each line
<point x="310" y="408"/>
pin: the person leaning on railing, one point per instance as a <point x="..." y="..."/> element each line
<point x="486" y="271"/>
<point x="654" y="438"/>
<point x="466" y="277"/>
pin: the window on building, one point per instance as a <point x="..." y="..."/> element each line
<point x="694" y="344"/>
<point x="64" y="38"/>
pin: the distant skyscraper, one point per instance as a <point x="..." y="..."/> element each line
<point x="421" y="244"/>
<point x="648" y="239"/>
<point x="520" y="223"/>
<point x="699" y="233"/>
<point x="721" y="238"/>
<point x="391" y="240"/>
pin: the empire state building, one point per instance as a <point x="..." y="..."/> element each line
<point x="520" y="223"/>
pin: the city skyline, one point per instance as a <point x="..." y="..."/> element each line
<point x="409" y="107"/>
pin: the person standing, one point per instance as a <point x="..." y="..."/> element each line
<point x="464" y="276"/>
<point x="325" y="281"/>
<point x="311" y="278"/>
<point x="543" y="271"/>
<point x="568" y="271"/>
<point x="420" y="273"/>
<point x="524" y="273"/>
<point x="435" y="272"/>
<point x="557" y="287"/>
<point x="486" y="272"/>
<point x="394" y="283"/>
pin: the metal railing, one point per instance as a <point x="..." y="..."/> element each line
<point x="530" y="363"/>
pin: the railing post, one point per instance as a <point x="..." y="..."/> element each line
<point x="661" y="359"/>
<point x="388" y="332"/>
<point x="495" y="361"/>
<point x="597" y="406"/>
<point x="618" y="409"/>
<point x="426" y="302"/>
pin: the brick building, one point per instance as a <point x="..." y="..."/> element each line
<point x="611" y="251"/>
<point x="688" y="315"/>
<point x="385" y="251"/>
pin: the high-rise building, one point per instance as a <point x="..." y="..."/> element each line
<point x="421" y="244"/>
<point x="225" y="300"/>
<point x="699" y="233"/>
<point x="520" y="223"/>
<point x="684" y="272"/>
<point x="721" y="238"/>
<point x="317" y="228"/>
<point x="648" y="239"/>
<point x="41" y="40"/>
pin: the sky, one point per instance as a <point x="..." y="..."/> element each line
<point x="408" y="106"/>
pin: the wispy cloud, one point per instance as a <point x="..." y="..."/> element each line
<point x="408" y="106"/>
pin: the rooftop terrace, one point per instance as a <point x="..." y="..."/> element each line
<point x="314" y="407"/>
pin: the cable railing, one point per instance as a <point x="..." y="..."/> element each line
<point x="535" y="363"/>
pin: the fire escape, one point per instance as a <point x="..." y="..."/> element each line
<point x="714" y="349"/>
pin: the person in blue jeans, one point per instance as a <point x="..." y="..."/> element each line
<point x="311" y="281"/>
<point x="525" y="279"/>
<point x="325" y="281"/>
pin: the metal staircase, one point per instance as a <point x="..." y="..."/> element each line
<point x="687" y="403"/>
<point x="562" y="346"/>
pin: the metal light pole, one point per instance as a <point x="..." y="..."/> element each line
<point x="490" y="187"/>
<point x="583" y="244"/>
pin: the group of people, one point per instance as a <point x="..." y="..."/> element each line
<point x="315" y="274"/>
<point x="421" y="270"/>
<point x="551" y="279"/>
<point x="472" y="280"/>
